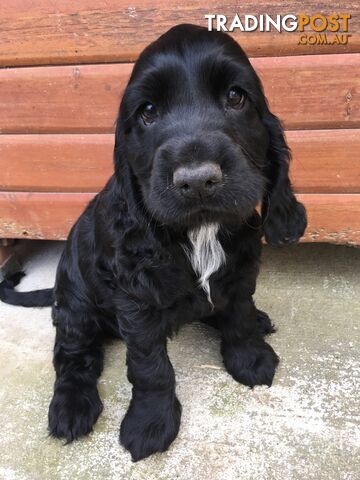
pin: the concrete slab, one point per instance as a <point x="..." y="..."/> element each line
<point x="306" y="426"/>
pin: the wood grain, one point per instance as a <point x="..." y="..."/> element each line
<point x="40" y="215"/>
<point x="306" y="92"/>
<point x="108" y="30"/>
<point x="332" y="218"/>
<point x="55" y="163"/>
<point x="324" y="161"/>
<point x="321" y="91"/>
<point x="61" y="99"/>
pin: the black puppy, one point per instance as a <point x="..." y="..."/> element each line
<point x="173" y="237"/>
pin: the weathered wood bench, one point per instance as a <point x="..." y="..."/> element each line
<point x="64" y="72"/>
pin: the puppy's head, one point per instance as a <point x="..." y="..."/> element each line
<point x="201" y="144"/>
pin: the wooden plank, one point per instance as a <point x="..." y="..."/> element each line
<point x="61" y="99"/>
<point x="40" y="215"/>
<point x="333" y="218"/>
<point x="109" y="30"/>
<point x="55" y="163"/>
<point x="324" y="161"/>
<point x="306" y="92"/>
<point x="321" y="91"/>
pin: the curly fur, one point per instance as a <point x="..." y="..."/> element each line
<point x="124" y="270"/>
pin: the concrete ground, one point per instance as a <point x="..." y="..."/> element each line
<point x="306" y="426"/>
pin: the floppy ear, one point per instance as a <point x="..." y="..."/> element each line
<point x="284" y="218"/>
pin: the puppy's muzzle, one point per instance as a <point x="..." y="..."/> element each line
<point x="198" y="182"/>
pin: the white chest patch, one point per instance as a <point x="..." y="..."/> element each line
<point x="206" y="255"/>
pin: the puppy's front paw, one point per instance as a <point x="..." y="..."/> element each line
<point x="264" y="324"/>
<point x="253" y="362"/>
<point x="149" y="426"/>
<point x="73" y="412"/>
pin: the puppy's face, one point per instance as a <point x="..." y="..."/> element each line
<point x="193" y="131"/>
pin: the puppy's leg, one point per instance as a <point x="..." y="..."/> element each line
<point x="264" y="323"/>
<point x="78" y="362"/>
<point x="153" y="418"/>
<point x="247" y="357"/>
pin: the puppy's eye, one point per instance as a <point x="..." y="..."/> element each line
<point x="148" y="113"/>
<point x="236" y="97"/>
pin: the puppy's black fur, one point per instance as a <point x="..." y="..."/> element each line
<point x="192" y="98"/>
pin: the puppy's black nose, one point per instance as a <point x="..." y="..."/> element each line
<point x="200" y="181"/>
